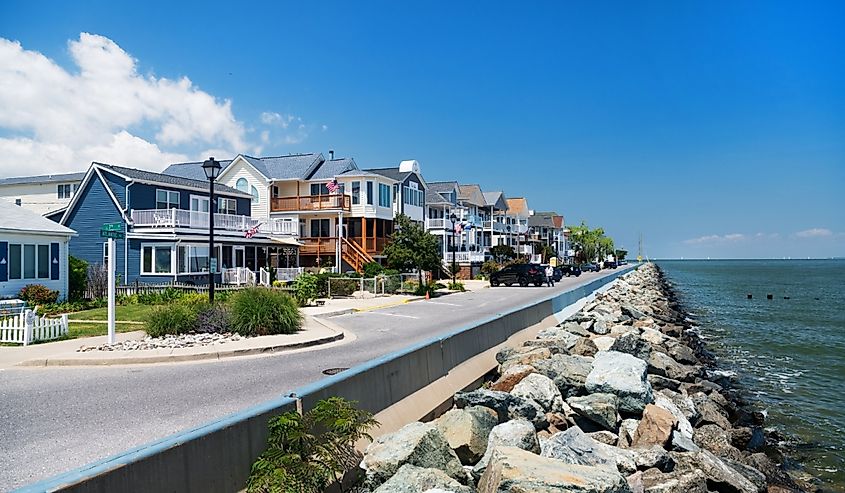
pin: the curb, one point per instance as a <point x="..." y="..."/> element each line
<point x="217" y="355"/>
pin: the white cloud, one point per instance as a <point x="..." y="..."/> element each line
<point x="814" y="233"/>
<point x="57" y="120"/>
<point x="710" y="239"/>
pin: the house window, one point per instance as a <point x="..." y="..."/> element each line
<point x="199" y="203"/>
<point x="105" y="253"/>
<point x="254" y="192"/>
<point x="321" y="228"/>
<point x="192" y="259"/>
<point x="384" y="195"/>
<point x="14" y="261"/>
<point x="166" y="199"/>
<point x="316" y="189"/>
<point x="227" y="206"/>
<point x="242" y="185"/>
<point x="370" y="193"/>
<point x="156" y="259"/>
<point x="356" y="192"/>
<point x="64" y="191"/>
<point x="29" y="261"/>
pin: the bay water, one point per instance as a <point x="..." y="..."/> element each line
<point x="788" y="352"/>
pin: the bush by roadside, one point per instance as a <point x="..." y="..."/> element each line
<point x="171" y="319"/>
<point x="263" y="311"/>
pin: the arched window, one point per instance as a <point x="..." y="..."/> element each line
<point x="242" y="185"/>
<point x="254" y="192"/>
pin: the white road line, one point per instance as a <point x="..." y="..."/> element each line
<point x="392" y="314"/>
<point x="441" y="303"/>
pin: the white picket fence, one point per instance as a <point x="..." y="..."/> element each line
<point x="28" y="327"/>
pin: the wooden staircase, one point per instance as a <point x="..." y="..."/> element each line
<point x="354" y="255"/>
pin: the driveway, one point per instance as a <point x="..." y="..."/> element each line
<point x="55" y="419"/>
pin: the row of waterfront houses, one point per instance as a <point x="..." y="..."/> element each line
<point x="284" y="212"/>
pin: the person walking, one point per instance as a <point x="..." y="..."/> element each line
<point x="550" y="276"/>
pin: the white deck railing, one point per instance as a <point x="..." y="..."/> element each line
<point x="28" y="327"/>
<point x="180" y="218"/>
<point x="288" y="273"/>
<point x="438" y="223"/>
<point x="463" y="257"/>
<point x="238" y="276"/>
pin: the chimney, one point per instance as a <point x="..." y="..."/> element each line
<point x="331" y="154"/>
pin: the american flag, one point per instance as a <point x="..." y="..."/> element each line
<point x="332" y="186"/>
<point x="251" y="231"/>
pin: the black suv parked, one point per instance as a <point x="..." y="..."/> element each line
<point x="570" y="270"/>
<point x="524" y="274"/>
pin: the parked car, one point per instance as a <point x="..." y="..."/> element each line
<point x="570" y="270"/>
<point x="558" y="274"/>
<point x="610" y="265"/>
<point x="589" y="267"/>
<point x="523" y="274"/>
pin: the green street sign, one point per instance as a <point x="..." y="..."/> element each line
<point x="118" y="235"/>
<point x="112" y="227"/>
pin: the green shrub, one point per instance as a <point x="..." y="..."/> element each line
<point x="457" y="286"/>
<point x="263" y="311"/>
<point x="126" y="299"/>
<point x="77" y="278"/>
<point x="343" y="286"/>
<point x="170" y="319"/>
<point x="306" y="453"/>
<point x="305" y="289"/>
<point x="323" y="283"/>
<point x="194" y="300"/>
<point x="38" y="294"/>
<point x="489" y="267"/>
<point x="212" y="318"/>
<point x="372" y="269"/>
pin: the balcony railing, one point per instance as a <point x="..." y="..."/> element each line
<point x="438" y="223"/>
<point x="463" y="257"/>
<point x="494" y="226"/>
<point x="310" y="203"/>
<point x="180" y="218"/>
<point x="312" y="245"/>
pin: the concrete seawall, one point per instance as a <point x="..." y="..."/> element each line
<point x="217" y="456"/>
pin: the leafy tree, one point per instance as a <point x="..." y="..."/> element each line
<point x="412" y="247"/>
<point x="589" y="243"/>
<point x="77" y="278"/>
<point x="621" y="253"/>
<point x="372" y="269"/>
<point x="502" y="252"/>
<point x="307" y="453"/>
<point x="548" y="252"/>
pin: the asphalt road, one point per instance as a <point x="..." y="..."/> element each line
<point x="56" y="419"/>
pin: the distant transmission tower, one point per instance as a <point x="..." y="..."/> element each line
<point x="640" y="250"/>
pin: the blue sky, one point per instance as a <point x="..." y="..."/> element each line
<point x="715" y="129"/>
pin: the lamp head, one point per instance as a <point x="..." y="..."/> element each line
<point x="212" y="168"/>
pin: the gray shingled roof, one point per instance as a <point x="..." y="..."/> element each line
<point x="443" y="186"/>
<point x="142" y="175"/>
<point x="391" y="173"/>
<point x="58" y="178"/>
<point x="17" y="218"/>
<point x="434" y="198"/>
<point x="192" y="171"/>
<point x="332" y="168"/>
<point x="472" y="194"/>
<point x="290" y="167"/>
<point x="541" y="219"/>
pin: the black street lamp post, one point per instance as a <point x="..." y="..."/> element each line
<point x="454" y="220"/>
<point x="212" y="171"/>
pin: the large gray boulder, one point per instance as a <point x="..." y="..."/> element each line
<point x="467" y="430"/>
<point x="716" y="440"/>
<point x="717" y="471"/>
<point x="542" y="390"/>
<point x="573" y="446"/>
<point x="584" y="347"/>
<point x="517" y="433"/>
<point x="632" y="344"/>
<point x="711" y="413"/>
<point x="575" y="328"/>
<point x="562" y="336"/>
<point x="507" y="406"/>
<point x="513" y="470"/>
<point x="524" y="355"/>
<point x="623" y="375"/>
<point x="418" y="444"/>
<point x="667" y="404"/>
<point x="512" y="376"/>
<point x="569" y="372"/>
<point x="692" y="481"/>
<point x="600" y="408"/>
<point x="664" y="365"/>
<point x="413" y="479"/>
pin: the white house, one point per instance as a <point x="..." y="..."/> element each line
<point x="33" y="250"/>
<point x="41" y="194"/>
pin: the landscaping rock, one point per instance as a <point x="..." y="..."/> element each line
<point x="599" y="327"/>
<point x="716" y="440"/>
<point x="604" y="343"/>
<point x="682" y="443"/>
<point x="627" y="428"/>
<point x="652" y="336"/>
<point x="511" y="377"/>
<point x="540" y="389"/>
<point x="576" y="328"/>
<point x="512" y="470"/>
<point x="664" y="402"/>
<point x="693" y="481"/>
<point x="507" y="406"/>
<point x="563" y="336"/>
<point x="569" y="372"/>
<point x="632" y="344"/>
<point x="555" y="346"/>
<point x="574" y="447"/>
<point x="521" y="356"/>
<point x="467" y="430"/>
<point x="655" y="428"/>
<point x="715" y="470"/>
<point x="659" y="382"/>
<point x="653" y="457"/>
<point x="600" y="408"/>
<point x="682" y="353"/>
<point x="413" y="479"/>
<point x="584" y="347"/>
<point x="418" y="444"/>
<point x="623" y="375"/>
<point x="517" y="433"/>
<point x="663" y="365"/>
<point x="710" y="411"/>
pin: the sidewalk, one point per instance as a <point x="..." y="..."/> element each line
<point x="342" y="306"/>
<point x="63" y="353"/>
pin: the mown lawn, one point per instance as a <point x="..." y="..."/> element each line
<point x="127" y="313"/>
<point x="84" y="329"/>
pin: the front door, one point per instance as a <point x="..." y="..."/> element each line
<point x="240" y="258"/>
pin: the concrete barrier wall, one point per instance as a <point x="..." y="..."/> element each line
<point x="217" y="457"/>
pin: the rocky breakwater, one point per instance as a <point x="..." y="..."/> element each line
<point x="621" y="397"/>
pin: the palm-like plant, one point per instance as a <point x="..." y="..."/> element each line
<point x="307" y="453"/>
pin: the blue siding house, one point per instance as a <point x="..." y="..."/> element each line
<point x="165" y="219"/>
